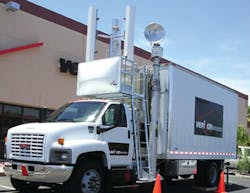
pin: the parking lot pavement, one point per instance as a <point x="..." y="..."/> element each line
<point x="237" y="184"/>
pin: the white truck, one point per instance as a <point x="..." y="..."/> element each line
<point x="105" y="139"/>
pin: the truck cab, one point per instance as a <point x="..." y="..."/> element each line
<point x="96" y="131"/>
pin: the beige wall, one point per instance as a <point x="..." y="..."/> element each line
<point x="242" y="113"/>
<point x="32" y="77"/>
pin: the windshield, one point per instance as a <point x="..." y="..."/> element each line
<point x="85" y="111"/>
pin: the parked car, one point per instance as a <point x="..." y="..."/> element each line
<point x="242" y="151"/>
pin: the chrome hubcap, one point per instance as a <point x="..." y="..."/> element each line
<point x="91" y="181"/>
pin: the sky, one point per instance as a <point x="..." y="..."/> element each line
<point x="211" y="37"/>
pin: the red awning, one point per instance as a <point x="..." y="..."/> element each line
<point x="28" y="46"/>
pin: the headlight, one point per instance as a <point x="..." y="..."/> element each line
<point x="62" y="156"/>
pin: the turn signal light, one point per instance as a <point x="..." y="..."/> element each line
<point x="5" y="139"/>
<point x="60" y="141"/>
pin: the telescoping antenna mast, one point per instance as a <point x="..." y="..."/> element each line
<point x="154" y="33"/>
<point x="115" y="37"/>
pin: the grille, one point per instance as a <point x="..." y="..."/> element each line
<point x="27" y="145"/>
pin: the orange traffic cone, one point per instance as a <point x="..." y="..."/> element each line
<point x="221" y="185"/>
<point x="157" y="186"/>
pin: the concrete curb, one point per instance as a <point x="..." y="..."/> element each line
<point x="243" y="176"/>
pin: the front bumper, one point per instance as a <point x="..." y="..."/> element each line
<point x="38" y="172"/>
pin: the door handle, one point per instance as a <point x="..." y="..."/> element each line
<point x="128" y="134"/>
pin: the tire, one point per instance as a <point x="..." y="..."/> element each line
<point x="163" y="173"/>
<point x="207" y="174"/>
<point x="87" y="178"/>
<point x="23" y="186"/>
<point x="200" y="176"/>
<point x="212" y="175"/>
<point x="186" y="176"/>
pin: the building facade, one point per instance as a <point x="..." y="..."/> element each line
<point x="39" y="53"/>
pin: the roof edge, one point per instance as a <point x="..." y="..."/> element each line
<point x="49" y="15"/>
<point x="240" y="94"/>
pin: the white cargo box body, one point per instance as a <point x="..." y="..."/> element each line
<point x="198" y="117"/>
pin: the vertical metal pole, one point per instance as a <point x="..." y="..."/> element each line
<point x="91" y="34"/>
<point x="227" y="175"/>
<point x="115" y="39"/>
<point x="129" y="33"/>
<point x="154" y="116"/>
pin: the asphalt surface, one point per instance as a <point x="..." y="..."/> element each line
<point x="237" y="184"/>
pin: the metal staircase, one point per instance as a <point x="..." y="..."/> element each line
<point x="135" y="78"/>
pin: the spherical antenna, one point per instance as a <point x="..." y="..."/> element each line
<point x="154" y="33"/>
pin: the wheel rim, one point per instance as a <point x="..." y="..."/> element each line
<point x="91" y="181"/>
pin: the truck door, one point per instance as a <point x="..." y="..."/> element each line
<point x="116" y="133"/>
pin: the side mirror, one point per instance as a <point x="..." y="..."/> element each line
<point x="100" y="130"/>
<point x="227" y="164"/>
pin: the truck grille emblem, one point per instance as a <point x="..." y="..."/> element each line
<point x="24" y="146"/>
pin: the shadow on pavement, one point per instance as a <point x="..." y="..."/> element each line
<point x="176" y="186"/>
<point x="235" y="187"/>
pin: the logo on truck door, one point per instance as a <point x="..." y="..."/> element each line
<point x="208" y="118"/>
<point x="118" y="148"/>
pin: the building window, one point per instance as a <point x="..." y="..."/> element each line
<point x="13" y="115"/>
<point x="30" y="115"/>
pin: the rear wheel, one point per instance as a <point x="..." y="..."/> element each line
<point x="207" y="174"/>
<point x="186" y="176"/>
<point x="23" y="186"/>
<point x="212" y="174"/>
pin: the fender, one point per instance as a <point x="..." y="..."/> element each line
<point x="87" y="146"/>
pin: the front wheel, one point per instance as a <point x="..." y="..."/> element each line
<point x="88" y="178"/>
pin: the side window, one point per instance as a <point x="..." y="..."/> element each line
<point x="115" y="116"/>
<point x="109" y="116"/>
<point x="123" y="117"/>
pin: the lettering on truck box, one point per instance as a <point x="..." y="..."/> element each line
<point x="208" y="118"/>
